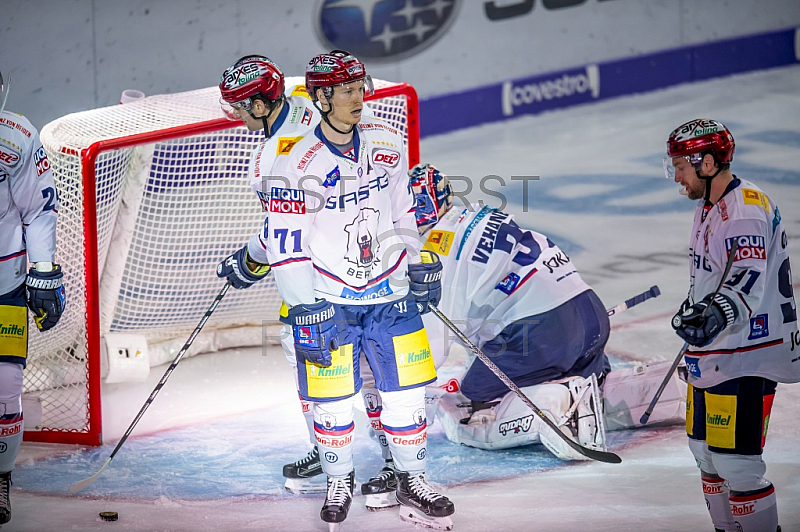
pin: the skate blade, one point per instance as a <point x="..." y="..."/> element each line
<point x="377" y="502"/>
<point x="300" y="486"/>
<point x="334" y="527"/>
<point x="410" y="515"/>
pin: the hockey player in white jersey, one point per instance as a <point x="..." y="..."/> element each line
<point x="253" y="90"/>
<point x="520" y="299"/>
<point x="343" y="247"/>
<point x="28" y="210"/>
<point x="746" y="340"/>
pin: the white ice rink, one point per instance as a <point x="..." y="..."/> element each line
<point x="208" y="453"/>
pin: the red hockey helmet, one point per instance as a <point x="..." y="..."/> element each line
<point x="335" y="68"/>
<point x="699" y="136"/>
<point x="249" y="77"/>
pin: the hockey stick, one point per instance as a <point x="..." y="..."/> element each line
<point x="81" y="484"/>
<point x="673" y="367"/>
<point x="601" y="456"/>
<point x="635" y="300"/>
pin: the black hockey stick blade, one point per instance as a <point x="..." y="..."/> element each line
<point x="647" y="413"/>
<point x="594" y="454"/>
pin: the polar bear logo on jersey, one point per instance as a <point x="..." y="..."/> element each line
<point x="362" y="247"/>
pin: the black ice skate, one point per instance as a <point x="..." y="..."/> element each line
<point x="300" y="475"/>
<point x="380" y="489"/>
<point x="421" y="504"/>
<point x="337" y="500"/>
<point x="5" y="498"/>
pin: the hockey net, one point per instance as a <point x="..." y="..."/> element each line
<point x="154" y="193"/>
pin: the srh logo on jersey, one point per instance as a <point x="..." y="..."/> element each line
<point x="362" y="247"/>
<point x="287" y="201"/>
<point x="749" y="247"/>
<point x="754" y="197"/>
<point x="509" y="284"/>
<point x="332" y="177"/>
<point x="385" y="157"/>
<point x="285" y="144"/>
<point x="515" y="426"/>
<point x="10" y="159"/>
<point x="759" y="327"/>
<point x="383" y="30"/>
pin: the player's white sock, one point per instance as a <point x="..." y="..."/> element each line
<point x="755" y="511"/>
<point x="716" y="493"/>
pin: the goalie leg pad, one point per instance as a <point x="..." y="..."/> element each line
<point x="590" y="423"/>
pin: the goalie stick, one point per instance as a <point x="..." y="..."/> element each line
<point x="600" y="456"/>
<point x="81" y="484"/>
<point x="635" y="300"/>
<point x="647" y="413"/>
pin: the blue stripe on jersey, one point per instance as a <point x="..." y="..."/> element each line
<point x="13" y="255"/>
<point x="378" y="279"/>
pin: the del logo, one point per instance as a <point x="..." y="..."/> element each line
<point x="9" y="158"/>
<point x="750" y="247"/>
<point x="287" y="201"/>
<point x="285" y="144"/>
<point x="508" y="284"/>
<point x="383" y="30"/>
<point x="759" y="327"/>
<point x="385" y="157"/>
<point x="691" y="366"/>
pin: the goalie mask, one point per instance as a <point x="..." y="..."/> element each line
<point x="432" y="193"/>
<point x="252" y="76"/>
<point x="696" y="138"/>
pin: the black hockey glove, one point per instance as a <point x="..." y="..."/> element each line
<point x="316" y="333"/>
<point x="425" y="280"/>
<point x="700" y="323"/>
<point x="44" y="294"/>
<point x="234" y="268"/>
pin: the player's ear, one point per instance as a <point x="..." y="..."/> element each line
<point x="323" y="99"/>
<point x="708" y="162"/>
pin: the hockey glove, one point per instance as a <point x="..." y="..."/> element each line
<point x="235" y="269"/>
<point x="425" y="280"/>
<point x="700" y="323"/>
<point x="44" y="294"/>
<point x="315" y="331"/>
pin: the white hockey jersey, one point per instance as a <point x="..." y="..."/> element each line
<point x="494" y="273"/>
<point x="298" y="118"/>
<point x="763" y="341"/>
<point x="28" y="201"/>
<point x="340" y="227"/>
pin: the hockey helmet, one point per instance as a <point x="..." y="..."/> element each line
<point x="252" y="76"/>
<point x="694" y="139"/>
<point x="335" y="68"/>
<point x="432" y="193"/>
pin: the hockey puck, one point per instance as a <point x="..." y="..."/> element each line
<point x="109" y="516"/>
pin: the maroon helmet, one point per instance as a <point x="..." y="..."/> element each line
<point x="249" y="77"/>
<point x="335" y="68"/>
<point x="700" y="136"/>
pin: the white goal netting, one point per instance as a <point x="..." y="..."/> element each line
<point x="171" y="199"/>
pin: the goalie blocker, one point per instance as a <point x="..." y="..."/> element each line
<point x="626" y="395"/>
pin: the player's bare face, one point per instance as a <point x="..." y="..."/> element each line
<point x="348" y="102"/>
<point x="694" y="187"/>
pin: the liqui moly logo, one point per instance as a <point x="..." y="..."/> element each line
<point x="542" y="90"/>
<point x="750" y="247"/>
<point x="287" y="201"/>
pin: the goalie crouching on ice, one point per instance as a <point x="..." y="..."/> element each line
<point x="519" y="297"/>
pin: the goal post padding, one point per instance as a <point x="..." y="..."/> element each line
<point x="154" y="193"/>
